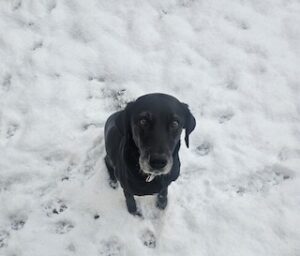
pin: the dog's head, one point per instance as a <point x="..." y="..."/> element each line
<point x="154" y="123"/>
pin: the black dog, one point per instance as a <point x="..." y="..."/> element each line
<point x="142" y="143"/>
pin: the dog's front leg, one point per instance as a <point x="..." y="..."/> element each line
<point x="162" y="199"/>
<point x="131" y="204"/>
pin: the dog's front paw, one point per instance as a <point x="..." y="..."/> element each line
<point x="138" y="213"/>
<point x="113" y="184"/>
<point x="135" y="212"/>
<point x="161" y="202"/>
<point x="132" y="209"/>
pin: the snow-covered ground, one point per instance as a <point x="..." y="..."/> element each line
<point x="67" y="65"/>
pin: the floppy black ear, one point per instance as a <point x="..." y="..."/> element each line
<point x="190" y="123"/>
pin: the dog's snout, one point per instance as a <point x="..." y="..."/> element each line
<point x="158" y="161"/>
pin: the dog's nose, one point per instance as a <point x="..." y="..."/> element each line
<point x="158" y="161"/>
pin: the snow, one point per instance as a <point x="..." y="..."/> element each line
<point x="67" y="65"/>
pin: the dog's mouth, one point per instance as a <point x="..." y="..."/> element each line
<point x="152" y="172"/>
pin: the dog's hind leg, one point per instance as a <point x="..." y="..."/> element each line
<point x="111" y="172"/>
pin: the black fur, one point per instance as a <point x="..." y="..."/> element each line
<point x="146" y="132"/>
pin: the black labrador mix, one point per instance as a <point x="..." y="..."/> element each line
<point x="142" y="143"/>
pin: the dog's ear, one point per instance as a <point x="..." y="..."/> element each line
<point x="190" y="123"/>
<point x="123" y="120"/>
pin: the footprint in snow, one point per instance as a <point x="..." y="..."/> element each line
<point x="37" y="45"/>
<point x="191" y="221"/>
<point x="231" y="84"/>
<point x="264" y="180"/>
<point x="117" y="96"/>
<point x="71" y="247"/>
<point x="6" y="83"/>
<point x="92" y="157"/>
<point x="51" y="5"/>
<point x="11" y="130"/>
<point x="288" y="153"/>
<point x="17" y="5"/>
<point x="88" y="125"/>
<point x="56" y="156"/>
<point x="204" y="149"/>
<point x="17" y="222"/>
<point x="244" y="25"/>
<point x="4" y="235"/>
<point x="148" y="238"/>
<point x="55" y="207"/>
<point x="63" y="227"/>
<point x="225" y="116"/>
<point x="241" y="24"/>
<point x="111" y="247"/>
<point x="101" y="79"/>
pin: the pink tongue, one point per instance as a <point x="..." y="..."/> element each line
<point x="150" y="178"/>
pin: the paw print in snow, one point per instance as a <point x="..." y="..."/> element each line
<point x="63" y="227"/>
<point x="37" y="45"/>
<point x="237" y="22"/>
<point x="204" y="148"/>
<point x="99" y="78"/>
<point x="55" y="207"/>
<point x="4" y="235"/>
<point x="51" y="5"/>
<point x="6" y="83"/>
<point x="244" y="25"/>
<point x="288" y="153"/>
<point x="18" y="222"/>
<point x="17" y="5"/>
<point x="148" y="238"/>
<point x="226" y="116"/>
<point x="111" y="247"/>
<point x="118" y="97"/>
<point x="264" y="180"/>
<point x="12" y="128"/>
<point x="71" y="247"/>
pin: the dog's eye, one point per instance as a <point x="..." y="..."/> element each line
<point x="143" y="122"/>
<point x="174" y="124"/>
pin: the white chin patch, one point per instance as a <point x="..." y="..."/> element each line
<point x="145" y="168"/>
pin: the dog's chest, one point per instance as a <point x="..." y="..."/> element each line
<point x="141" y="188"/>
